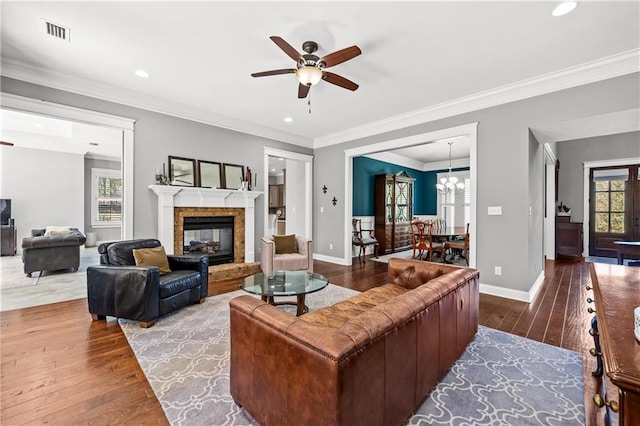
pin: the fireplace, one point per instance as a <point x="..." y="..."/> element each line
<point x="178" y="202"/>
<point x="210" y="235"/>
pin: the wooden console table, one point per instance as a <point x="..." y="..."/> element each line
<point x="616" y="291"/>
<point x="630" y="249"/>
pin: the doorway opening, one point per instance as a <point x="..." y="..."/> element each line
<point x="468" y="130"/>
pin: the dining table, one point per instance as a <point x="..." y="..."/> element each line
<point x="448" y="233"/>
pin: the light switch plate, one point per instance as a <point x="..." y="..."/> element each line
<point x="494" y="210"/>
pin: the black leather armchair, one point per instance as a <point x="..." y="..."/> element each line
<point x="119" y="288"/>
<point x="50" y="253"/>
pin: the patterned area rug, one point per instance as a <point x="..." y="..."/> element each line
<point x="501" y="379"/>
<point x="407" y="254"/>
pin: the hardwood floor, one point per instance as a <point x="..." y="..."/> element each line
<point x="60" y="367"/>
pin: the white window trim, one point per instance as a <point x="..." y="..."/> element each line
<point x="95" y="174"/>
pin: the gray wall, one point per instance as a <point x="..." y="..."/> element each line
<point x="572" y="155"/>
<point x="45" y="188"/>
<point x="102" y="234"/>
<point x="505" y="172"/>
<point x="156" y="137"/>
<point x="507" y="166"/>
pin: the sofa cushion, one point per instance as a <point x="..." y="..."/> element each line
<point x="178" y="281"/>
<point x="285" y="244"/>
<point x="337" y="315"/>
<point x="154" y="256"/>
<point x="292" y="261"/>
<point x="52" y="231"/>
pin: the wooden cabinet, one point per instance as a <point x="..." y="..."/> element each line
<point x="568" y="238"/>
<point x="393" y="210"/>
<point x="8" y="240"/>
<point x="276" y="195"/>
<point x="615" y="291"/>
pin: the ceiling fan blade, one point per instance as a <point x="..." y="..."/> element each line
<point x="340" y="56"/>
<point x="303" y="91"/>
<point x="286" y="48"/>
<point x="332" y="78"/>
<point x="274" y="72"/>
<point x="6" y="143"/>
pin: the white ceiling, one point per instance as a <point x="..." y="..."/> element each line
<point x="415" y="55"/>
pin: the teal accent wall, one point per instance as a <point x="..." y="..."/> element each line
<point x="424" y="189"/>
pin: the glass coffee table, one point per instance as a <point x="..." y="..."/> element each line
<point x="285" y="283"/>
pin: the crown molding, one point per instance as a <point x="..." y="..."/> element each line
<point x="401" y="160"/>
<point x="590" y="72"/>
<point x="20" y="71"/>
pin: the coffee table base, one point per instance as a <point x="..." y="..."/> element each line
<point x="302" y="308"/>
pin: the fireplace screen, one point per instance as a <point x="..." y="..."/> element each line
<point x="212" y="236"/>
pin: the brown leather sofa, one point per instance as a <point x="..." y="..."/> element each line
<point x="369" y="360"/>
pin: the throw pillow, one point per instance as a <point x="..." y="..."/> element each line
<point x="285" y="244"/>
<point x="155" y="256"/>
<point x="52" y="231"/>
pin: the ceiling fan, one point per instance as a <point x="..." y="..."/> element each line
<point x="310" y="69"/>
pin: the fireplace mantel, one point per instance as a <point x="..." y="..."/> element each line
<point x="186" y="196"/>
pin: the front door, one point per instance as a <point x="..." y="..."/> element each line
<point x="614" y="208"/>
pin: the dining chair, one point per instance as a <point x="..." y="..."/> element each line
<point x="461" y="246"/>
<point x="423" y="240"/>
<point x="363" y="240"/>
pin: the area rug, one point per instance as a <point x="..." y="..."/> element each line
<point x="408" y="254"/>
<point x="501" y="379"/>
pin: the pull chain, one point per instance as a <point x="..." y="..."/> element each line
<point x="309" y="102"/>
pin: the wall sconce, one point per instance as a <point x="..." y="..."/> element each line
<point x="324" y="189"/>
<point x="334" y="201"/>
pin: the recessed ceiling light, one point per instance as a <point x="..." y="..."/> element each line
<point x="281" y="159"/>
<point x="273" y="170"/>
<point x="142" y="74"/>
<point x="288" y="119"/>
<point x="564" y="8"/>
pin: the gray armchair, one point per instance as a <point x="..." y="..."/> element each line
<point x="119" y="288"/>
<point x="50" y="253"/>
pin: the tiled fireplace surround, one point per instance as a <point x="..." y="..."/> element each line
<point x="176" y="202"/>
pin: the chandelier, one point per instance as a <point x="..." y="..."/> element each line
<point x="449" y="183"/>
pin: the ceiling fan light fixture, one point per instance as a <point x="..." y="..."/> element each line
<point x="309" y="75"/>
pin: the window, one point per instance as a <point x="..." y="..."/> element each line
<point x="467" y="201"/>
<point x="610" y="185"/>
<point x="448" y="211"/>
<point x="106" y="196"/>
<point x="455" y="208"/>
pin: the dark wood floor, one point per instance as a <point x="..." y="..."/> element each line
<point x="59" y="367"/>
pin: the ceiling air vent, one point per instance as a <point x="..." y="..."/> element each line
<point x="57" y="31"/>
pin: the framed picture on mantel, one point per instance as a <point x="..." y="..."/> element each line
<point x="233" y="176"/>
<point x="209" y="174"/>
<point x="182" y="171"/>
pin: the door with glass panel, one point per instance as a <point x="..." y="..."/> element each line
<point x="614" y="208"/>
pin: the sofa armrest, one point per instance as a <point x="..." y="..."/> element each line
<point x="267" y="251"/>
<point x="305" y="248"/>
<point x="192" y="262"/>
<point x="130" y="292"/>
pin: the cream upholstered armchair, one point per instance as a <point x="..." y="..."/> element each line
<point x="286" y="253"/>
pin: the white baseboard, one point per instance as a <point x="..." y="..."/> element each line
<point x="524" y="296"/>
<point x="330" y="259"/>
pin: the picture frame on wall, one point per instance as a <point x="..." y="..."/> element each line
<point x="182" y="171"/>
<point x="233" y="176"/>
<point x="209" y="174"/>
